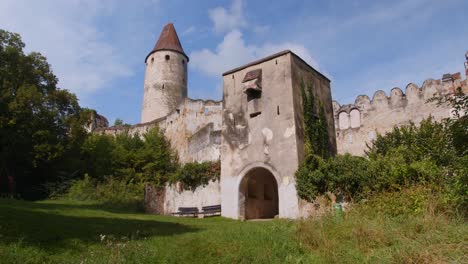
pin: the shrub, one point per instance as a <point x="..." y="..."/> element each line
<point x="194" y="174"/>
<point x="111" y="191"/>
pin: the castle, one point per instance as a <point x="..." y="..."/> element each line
<point x="257" y="130"/>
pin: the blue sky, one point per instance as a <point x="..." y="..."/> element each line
<point x="97" y="48"/>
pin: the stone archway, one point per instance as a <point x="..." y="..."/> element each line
<point x="258" y="195"/>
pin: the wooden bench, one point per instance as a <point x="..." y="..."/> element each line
<point x="211" y="210"/>
<point x="187" y="211"/>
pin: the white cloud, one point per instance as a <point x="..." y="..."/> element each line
<point x="188" y="31"/>
<point x="225" y="20"/>
<point x="233" y="52"/>
<point x="66" y="32"/>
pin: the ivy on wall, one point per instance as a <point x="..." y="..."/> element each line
<point x="194" y="174"/>
<point x="315" y="123"/>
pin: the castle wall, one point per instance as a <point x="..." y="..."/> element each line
<point x="359" y="123"/>
<point x="263" y="131"/>
<point x="165" y="85"/>
<point x="194" y="132"/>
<point x="302" y="74"/>
<point x="201" y="196"/>
<point x="267" y="140"/>
<point x="193" y="129"/>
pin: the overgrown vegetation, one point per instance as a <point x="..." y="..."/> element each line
<point x="409" y="226"/>
<point x="194" y="174"/>
<point x="316" y="140"/>
<point x="41" y="126"/>
<point x="45" y="150"/>
<point x="118" y="168"/>
<point x="427" y="155"/>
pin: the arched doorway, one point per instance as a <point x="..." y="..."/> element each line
<point x="258" y="195"/>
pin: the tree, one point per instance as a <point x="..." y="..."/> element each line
<point x="41" y="126"/>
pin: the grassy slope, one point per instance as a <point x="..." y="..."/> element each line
<point x="70" y="232"/>
<point x="405" y="227"/>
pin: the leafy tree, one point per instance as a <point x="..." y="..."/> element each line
<point x="41" y="126"/>
<point x="118" y="122"/>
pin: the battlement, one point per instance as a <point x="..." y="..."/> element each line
<point x="357" y="124"/>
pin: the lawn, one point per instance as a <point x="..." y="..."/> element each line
<point x="402" y="227"/>
<point x="80" y="232"/>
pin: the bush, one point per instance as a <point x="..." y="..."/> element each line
<point x="111" y="191"/>
<point x="129" y="157"/>
<point x="194" y="174"/>
<point x="406" y="226"/>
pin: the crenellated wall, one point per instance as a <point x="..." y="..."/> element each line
<point x="358" y="124"/>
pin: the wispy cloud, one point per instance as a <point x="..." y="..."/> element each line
<point x="233" y="52"/>
<point x="66" y="32"/>
<point x="225" y="20"/>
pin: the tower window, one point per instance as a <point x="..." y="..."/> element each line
<point x="183" y="61"/>
<point x="163" y="87"/>
<point x="152" y="60"/>
<point x="168" y="57"/>
<point x="277" y="110"/>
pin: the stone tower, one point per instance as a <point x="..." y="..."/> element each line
<point x="165" y="84"/>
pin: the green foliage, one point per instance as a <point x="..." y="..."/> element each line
<point x="41" y="126"/>
<point x="118" y="122"/>
<point x="431" y="140"/>
<point x="315" y="123"/>
<point x="129" y="157"/>
<point x="407" y="226"/>
<point x="194" y="174"/>
<point x="402" y="158"/>
<point x="111" y="191"/>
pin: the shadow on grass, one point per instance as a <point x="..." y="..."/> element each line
<point x="48" y="228"/>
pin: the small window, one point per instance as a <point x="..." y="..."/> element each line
<point x="233" y="76"/>
<point x="276" y="62"/>
<point x="168" y="57"/>
<point x="163" y="87"/>
<point x="255" y="114"/>
<point x="178" y="111"/>
<point x="277" y="110"/>
<point x="183" y="61"/>
<point x="152" y="60"/>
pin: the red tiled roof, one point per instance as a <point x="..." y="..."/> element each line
<point x="168" y="40"/>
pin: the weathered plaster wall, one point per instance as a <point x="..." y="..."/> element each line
<point x="165" y="85"/>
<point x="359" y="123"/>
<point x="201" y="196"/>
<point x="262" y="132"/>
<point x="302" y="73"/>
<point x="193" y="129"/>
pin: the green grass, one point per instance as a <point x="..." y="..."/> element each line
<point x="412" y="226"/>
<point x="72" y="232"/>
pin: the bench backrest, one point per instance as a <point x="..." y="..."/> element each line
<point x="212" y="208"/>
<point x="188" y="209"/>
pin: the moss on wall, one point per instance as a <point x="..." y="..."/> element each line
<point x="315" y="123"/>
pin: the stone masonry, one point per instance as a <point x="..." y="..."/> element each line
<point x="257" y="131"/>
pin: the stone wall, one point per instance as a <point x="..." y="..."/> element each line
<point x="358" y="124"/>
<point x="193" y="129"/>
<point x="207" y="195"/>
<point x="165" y="85"/>
<point x="262" y="124"/>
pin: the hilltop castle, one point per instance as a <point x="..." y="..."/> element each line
<point x="257" y="131"/>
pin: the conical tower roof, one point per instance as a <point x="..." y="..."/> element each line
<point x="168" y="40"/>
